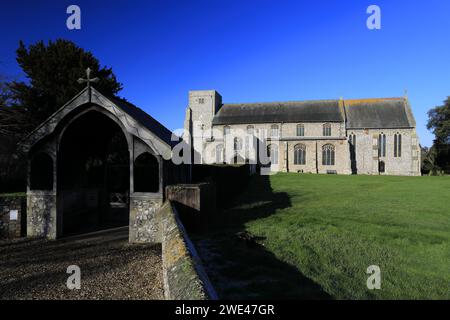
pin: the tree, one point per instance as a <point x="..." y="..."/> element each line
<point x="12" y="120"/>
<point x="52" y="71"/>
<point x="430" y="162"/>
<point x="4" y="92"/>
<point x="439" y="122"/>
<point x="438" y="159"/>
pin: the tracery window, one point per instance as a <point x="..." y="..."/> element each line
<point x="300" y="154"/>
<point x="328" y="155"/>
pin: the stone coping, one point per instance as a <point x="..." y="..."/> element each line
<point x="183" y="273"/>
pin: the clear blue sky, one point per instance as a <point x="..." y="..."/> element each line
<point x="250" y="50"/>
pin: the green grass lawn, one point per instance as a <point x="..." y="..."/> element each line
<point x="320" y="233"/>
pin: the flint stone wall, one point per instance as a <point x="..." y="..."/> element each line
<point x="41" y="215"/>
<point x="144" y="226"/>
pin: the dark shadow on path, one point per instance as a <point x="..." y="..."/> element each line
<point x="238" y="264"/>
<point x="37" y="268"/>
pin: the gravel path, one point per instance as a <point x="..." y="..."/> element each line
<point x="110" y="268"/>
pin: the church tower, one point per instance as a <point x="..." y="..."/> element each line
<point x="203" y="106"/>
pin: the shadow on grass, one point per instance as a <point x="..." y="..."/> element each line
<point x="238" y="264"/>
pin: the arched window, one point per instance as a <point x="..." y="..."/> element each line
<point x="327" y="130"/>
<point x="249" y="141"/>
<point x="41" y="172"/>
<point x="237" y="144"/>
<point x="300" y="154"/>
<point x="352" y="144"/>
<point x="352" y="141"/>
<point x="274" y="131"/>
<point x="247" y="146"/>
<point x="146" y="173"/>
<point x="226" y="131"/>
<point x="219" y="153"/>
<point x="300" y="130"/>
<point x="328" y="155"/>
<point x="237" y="159"/>
<point x="382" y="145"/>
<point x="397" y="145"/>
<point x="381" y="167"/>
<point x="272" y="152"/>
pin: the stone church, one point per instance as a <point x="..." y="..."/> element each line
<point x="342" y="136"/>
<point x="101" y="162"/>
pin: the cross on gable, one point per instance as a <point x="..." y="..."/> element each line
<point x="88" y="79"/>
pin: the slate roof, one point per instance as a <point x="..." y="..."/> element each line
<point x="378" y="113"/>
<point x="382" y="113"/>
<point x="138" y="114"/>
<point x="300" y="111"/>
<point x="145" y="119"/>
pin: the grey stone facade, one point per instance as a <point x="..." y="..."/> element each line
<point x="366" y="119"/>
<point x="367" y="157"/>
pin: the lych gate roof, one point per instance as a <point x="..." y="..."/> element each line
<point x="145" y="119"/>
<point x="135" y="120"/>
<point x="307" y="111"/>
<point x="379" y="113"/>
<point x="362" y="113"/>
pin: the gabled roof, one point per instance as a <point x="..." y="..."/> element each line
<point x="148" y="129"/>
<point x="376" y="113"/>
<point x="144" y="119"/>
<point x="273" y="112"/>
<point x="382" y="113"/>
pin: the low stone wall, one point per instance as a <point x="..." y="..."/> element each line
<point x="195" y="203"/>
<point x="183" y="273"/>
<point x="229" y="180"/>
<point x="12" y="211"/>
